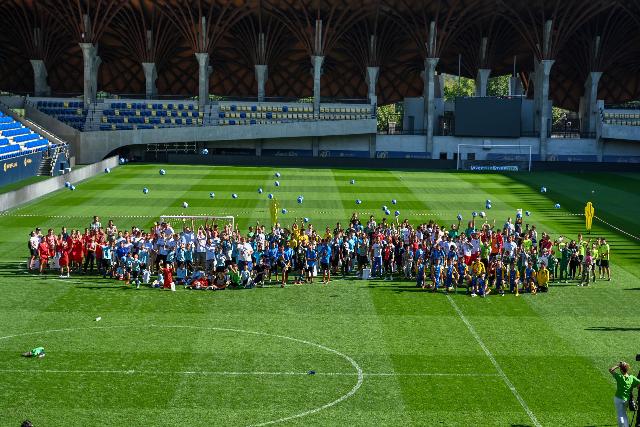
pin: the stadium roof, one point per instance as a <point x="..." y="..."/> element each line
<point x="587" y="35"/>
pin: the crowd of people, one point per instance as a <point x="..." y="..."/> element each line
<point x="481" y="259"/>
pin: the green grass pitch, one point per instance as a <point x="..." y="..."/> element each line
<point x="384" y="353"/>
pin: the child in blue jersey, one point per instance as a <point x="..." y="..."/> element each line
<point x="107" y="254"/>
<point x="449" y="276"/>
<point x="420" y="276"/>
<point x="325" y="257"/>
<point x="188" y="256"/>
<point x="180" y="255"/>
<point x="143" y="257"/>
<point x="128" y="265"/>
<point x="436" y="273"/>
<point x="181" y="275"/>
<point x="481" y="286"/>
<point x="135" y="270"/>
<point x="312" y="258"/>
<point x="463" y="274"/>
<point x="529" y="276"/>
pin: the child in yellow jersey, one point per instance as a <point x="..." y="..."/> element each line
<point x="542" y="277"/>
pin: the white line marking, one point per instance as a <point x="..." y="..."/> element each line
<point x="248" y="373"/>
<point x="494" y="362"/>
<point x="358" y="370"/>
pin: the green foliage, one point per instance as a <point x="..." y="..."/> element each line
<point x="454" y="87"/>
<point x="389" y="113"/>
<point x="498" y="86"/>
<point x="558" y="114"/>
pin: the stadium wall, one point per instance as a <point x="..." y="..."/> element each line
<point x="19" y="168"/>
<point x="33" y="191"/>
<point x="94" y="146"/>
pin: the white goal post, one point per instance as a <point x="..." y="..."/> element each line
<point x="494" y="158"/>
<point x="199" y="219"/>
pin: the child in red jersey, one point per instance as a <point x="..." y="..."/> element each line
<point x="43" y="254"/>
<point x="63" y="249"/>
<point x="167" y="274"/>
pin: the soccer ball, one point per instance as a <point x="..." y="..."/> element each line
<point x="162" y="172"/>
<point x="259" y="190"/>
<point x="527" y="213"/>
<point x="488" y="202"/>
<point x="394" y="202"/>
<point x="185" y="205"/>
<point x="353" y="181"/>
<point x="397" y="213"/>
<point x="387" y="212"/>
<point x="212" y="195"/>
<point x="384" y="208"/>
<point x="557" y="206"/>
<point x="482" y="214"/>
<point x="306" y="219"/>
<point x="107" y="170"/>
<point x="234" y="195"/>
<point x="123" y="160"/>
<point x="459" y="217"/>
<point x="488" y="206"/>
<point x="72" y="188"/>
<point x="145" y="190"/>
<point x="277" y="175"/>
<point x="358" y="202"/>
<point x="518" y="215"/>
<point x="543" y="189"/>
<point x="205" y="152"/>
<point x="474" y="214"/>
<point x="270" y="196"/>
<point x="277" y="183"/>
<point x="67" y="184"/>
<point x="284" y="211"/>
<point x="300" y="199"/>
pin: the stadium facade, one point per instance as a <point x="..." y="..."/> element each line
<point x="304" y="77"/>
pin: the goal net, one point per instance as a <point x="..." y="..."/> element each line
<point x="494" y="158"/>
<point x="195" y="222"/>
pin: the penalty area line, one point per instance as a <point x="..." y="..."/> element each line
<point x="494" y="362"/>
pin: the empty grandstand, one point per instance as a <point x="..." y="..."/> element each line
<point x="114" y="76"/>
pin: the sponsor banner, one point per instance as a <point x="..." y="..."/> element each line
<point x="344" y="153"/>
<point x="495" y="168"/>
<point x="401" y="155"/>
<point x="621" y="159"/>
<point x="279" y="152"/>
<point x="573" y="158"/>
<point x="19" y="168"/>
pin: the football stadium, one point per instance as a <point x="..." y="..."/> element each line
<point x="319" y="212"/>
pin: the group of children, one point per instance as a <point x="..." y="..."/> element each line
<point x="481" y="259"/>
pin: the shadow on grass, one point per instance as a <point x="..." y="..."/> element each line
<point x="632" y="289"/>
<point x="610" y="329"/>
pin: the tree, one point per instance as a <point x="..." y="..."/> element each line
<point x="454" y="87"/>
<point x="498" y="86"/>
<point x="389" y="113"/>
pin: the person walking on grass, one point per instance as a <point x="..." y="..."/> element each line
<point x="625" y="383"/>
<point x="604" y="251"/>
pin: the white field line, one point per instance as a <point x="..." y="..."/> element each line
<point x="495" y="363"/>
<point x="248" y="373"/>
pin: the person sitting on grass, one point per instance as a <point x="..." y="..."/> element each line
<point x="246" y="281"/>
<point x="36" y="352"/>
<point x="234" y="276"/>
<point x="543" y="277"/>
